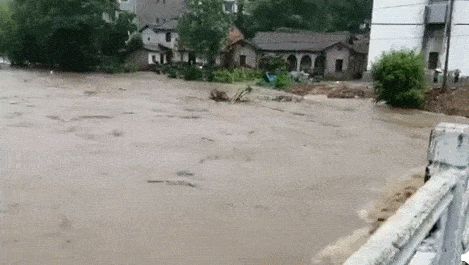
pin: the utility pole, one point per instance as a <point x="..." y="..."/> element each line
<point x="449" y="26"/>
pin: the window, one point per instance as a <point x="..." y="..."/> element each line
<point x="229" y="7"/>
<point x="168" y="36"/>
<point x="433" y="60"/>
<point x="339" y="65"/>
<point x="242" y="60"/>
<point x="153" y="58"/>
<point x="192" y="58"/>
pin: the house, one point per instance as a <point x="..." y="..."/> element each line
<point x="420" y="25"/>
<point x="161" y="46"/>
<point x="337" y="55"/>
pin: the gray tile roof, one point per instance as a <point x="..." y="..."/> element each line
<point x="148" y="11"/>
<point x="300" y="41"/>
<point x="170" y="25"/>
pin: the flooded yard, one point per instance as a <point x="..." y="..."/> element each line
<point x="140" y="169"/>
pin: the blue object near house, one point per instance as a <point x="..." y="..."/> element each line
<point x="270" y="78"/>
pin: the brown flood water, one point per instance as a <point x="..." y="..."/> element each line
<point x="139" y="169"/>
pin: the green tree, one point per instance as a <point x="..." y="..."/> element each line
<point x="314" y="15"/>
<point x="71" y="34"/>
<point x="117" y="33"/>
<point x="5" y="25"/>
<point x="204" y="28"/>
<point x="400" y="79"/>
<point x="349" y="15"/>
<point x="270" y="15"/>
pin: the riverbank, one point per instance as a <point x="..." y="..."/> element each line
<point x="451" y="102"/>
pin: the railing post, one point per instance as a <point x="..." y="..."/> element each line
<point x="449" y="149"/>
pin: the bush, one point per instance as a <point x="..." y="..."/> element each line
<point x="135" y="43"/>
<point x="110" y="65"/>
<point x="284" y="81"/>
<point x="236" y="75"/>
<point x="192" y="73"/>
<point x="129" y="68"/>
<point x="113" y="65"/>
<point x="172" y="72"/>
<point x="273" y="64"/>
<point x="223" y="76"/>
<point x="400" y="79"/>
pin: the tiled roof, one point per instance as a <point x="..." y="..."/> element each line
<point x="300" y="41"/>
<point x="148" y="11"/>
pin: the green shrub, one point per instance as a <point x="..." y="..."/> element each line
<point x="236" y="75"/>
<point x="135" y="43"/>
<point x="130" y="68"/>
<point x="273" y="64"/>
<point x="400" y="79"/>
<point x="114" y="65"/>
<point x="172" y="72"/>
<point x="223" y="76"/>
<point x="110" y="65"/>
<point x="192" y="73"/>
<point x="284" y="81"/>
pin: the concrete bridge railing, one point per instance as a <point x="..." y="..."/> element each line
<point x="432" y="227"/>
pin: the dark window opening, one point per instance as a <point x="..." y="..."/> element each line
<point x="168" y="37"/>
<point x="433" y="60"/>
<point x="242" y="60"/>
<point x="192" y="58"/>
<point x="153" y="58"/>
<point x="161" y="58"/>
<point x="339" y="65"/>
<point x="229" y="6"/>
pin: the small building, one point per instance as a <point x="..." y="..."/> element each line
<point x="421" y="25"/>
<point x="161" y="46"/>
<point x="332" y="55"/>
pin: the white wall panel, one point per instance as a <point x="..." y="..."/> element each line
<point x="385" y="38"/>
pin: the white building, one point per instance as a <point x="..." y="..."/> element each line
<point x="421" y="25"/>
<point x="128" y="5"/>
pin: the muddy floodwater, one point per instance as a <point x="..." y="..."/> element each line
<point x="139" y="169"/>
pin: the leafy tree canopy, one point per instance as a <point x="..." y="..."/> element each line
<point x="5" y="24"/>
<point x="72" y="34"/>
<point x="204" y="28"/>
<point x="315" y="15"/>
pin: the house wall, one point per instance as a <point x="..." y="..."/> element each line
<point x="248" y="51"/>
<point x="128" y="5"/>
<point x="150" y="37"/>
<point x="298" y="56"/>
<point x="435" y="43"/>
<point x="396" y="24"/>
<point x="459" y="51"/>
<point x="357" y="66"/>
<point x="333" y="54"/>
<point x="139" y="58"/>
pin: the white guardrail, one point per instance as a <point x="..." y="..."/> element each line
<point x="432" y="227"/>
